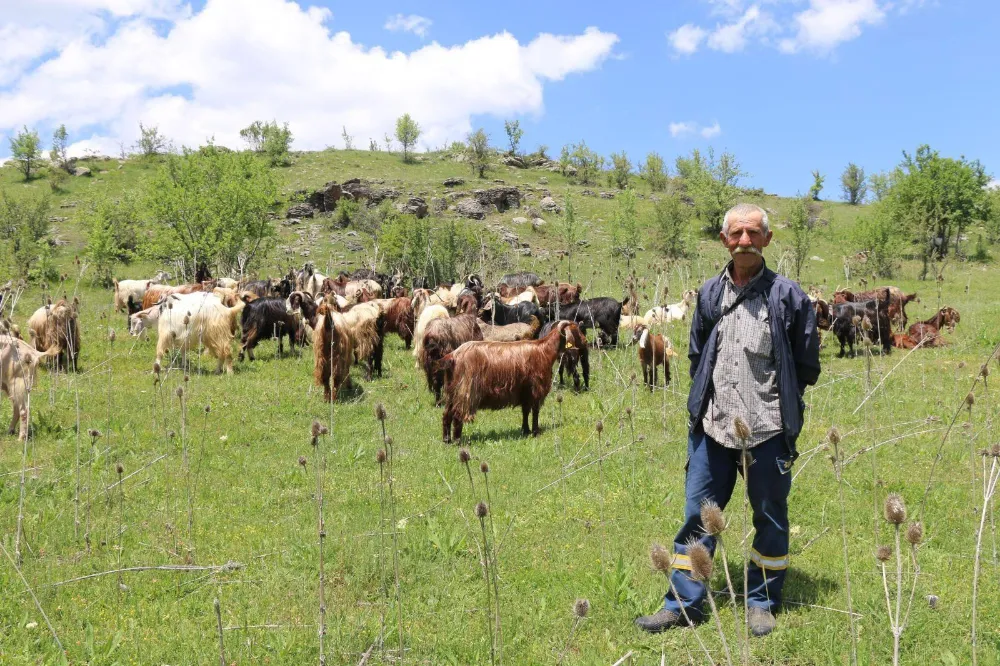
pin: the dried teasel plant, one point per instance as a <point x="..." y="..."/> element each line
<point x="834" y="439"/>
<point x="894" y="510"/>
<point x="702" y="567"/>
<point x="581" y="608"/>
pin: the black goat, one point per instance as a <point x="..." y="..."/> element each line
<point x="851" y="318"/>
<point x="260" y="288"/>
<point x="497" y="313"/>
<point x="572" y="355"/>
<point x="283" y="288"/>
<point x="602" y="313"/>
<point x="266" y="318"/>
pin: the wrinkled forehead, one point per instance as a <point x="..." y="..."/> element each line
<point x="752" y="221"/>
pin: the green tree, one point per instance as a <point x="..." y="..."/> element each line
<point x="112" y="226"/>
<point x="478" y="152"/>
<point x="151" y="142"/>
<point x="348" y="139"/>
<point x="60" y="139"/>
<point x="407" y="133"/>
<point x="937" y="198"/>
<point x="269" y="139"/>
<point x="993" y="216"/>
<point x="514" y="134"/>
<point x="212" y="205"/>
<point x="654" y="172"/>
<point x="24" y="227"/>
<point x="26" y="150"/>
<point x="713" y="184"/>
<point x="879" y="236"/>
<point x="852" y="181"/>
<point x="569" y="233"/>
<point x="565" y="161"/>
<point x="672" y="222"/>
<point x="625" y="227"/>
<point x="588" y="163"/>
<point x="817" y="185"/>
<point x="800" y="226"/>
<point x="621" y="170"/>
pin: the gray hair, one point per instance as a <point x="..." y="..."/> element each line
<point x="741" y="210"/>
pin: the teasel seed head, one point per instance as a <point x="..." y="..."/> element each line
<point x="484" y="467"/>
<point x="559" y="398"/>
<point x="380" y="456"/>
<point x="94" y="433"/>
<point x="179" y="392"/>
<point x="119" y="468"/>
<point x="111" y="335"/>
<point x="581" y="607"/>
<point x="970" y="400"/>
<point x="895" y="509"/>
<point x="995" y="450"/>
<point x="711" y="518"/>
<point x="915" y="533"/>
<point x="833" y="435"/>
<point x="156" y="368"/>
<point x="883" y="553"/>
<point x="660" y="558"/>
<point x="600" y="427"/>
<point x="187" y="378"/>
<point x="388" y="441"/>
<point x="380" y="412"/>
<point x="171" y="434"/>
<point x="187" y="319"/>
<point x="701" y="560"/>
<point x="961" y="364"/>
<point x="932" y="600"/>
<point x="464" y="456"/>
<point x="315" y="428"/>
<point x="741" y="428"/>
<point x="855" y="320"/>
<point x="628" y="411"/>
<point x="984" y="371"/>
<point x="208" y="408"/>
<point x="866" y="324"/>
<point x="302" y="461"/>
<point x="482" y="510"/>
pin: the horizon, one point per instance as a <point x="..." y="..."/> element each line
<point x="833" y="81"/>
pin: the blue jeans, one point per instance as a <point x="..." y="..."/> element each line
<point x="711" y="475"/>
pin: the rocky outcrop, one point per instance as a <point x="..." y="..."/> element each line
<point x="361" y="191"/>
<point x="300" y="210"/>
<point x="549" y="205"/>
<point x="503" y="198"/>
<point x="81" y="171"/>
<point x="414" y="206"/>
<point x="454" y="182"/>
<point x="514" y="161"/>
<point x="325" y="199"/>
<point x="471" y="208"/>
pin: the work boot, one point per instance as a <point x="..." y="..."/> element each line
<point x="761" y="621"/>
<point x="660" y="621"/>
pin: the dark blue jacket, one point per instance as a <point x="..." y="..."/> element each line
<point x="795" y="342"/>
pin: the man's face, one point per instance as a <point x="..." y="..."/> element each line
<point x="745" y="239"/>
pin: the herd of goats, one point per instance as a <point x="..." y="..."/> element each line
<point x="478" y="349"/>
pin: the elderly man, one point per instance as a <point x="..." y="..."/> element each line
<point x="754" y="349"/>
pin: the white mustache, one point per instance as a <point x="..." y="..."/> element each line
<point x="748" y="250"/>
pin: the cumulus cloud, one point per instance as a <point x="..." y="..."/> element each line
<point x="827" y="23"/>
<point x="418" y="25"/>
<point x="818" y="28"/>
<point x="683" y="129"/>
<point x="687" y="38"/>
<point x="211" y="72"/>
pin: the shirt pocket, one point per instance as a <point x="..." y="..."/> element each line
<point x="760" y="335"/>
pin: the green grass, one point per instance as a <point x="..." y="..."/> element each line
<point x="254" y="504"/>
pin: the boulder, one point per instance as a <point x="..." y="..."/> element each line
<point x="538" y="222"/>
<point x="513" y="161"/>
<point x="549" y="205"/>
<point x="438" y="204"/>
<point x="414" y="206"/>
<point x="453" y="182"/>
<point x="364" y="192"/>
<point x="471" y="208"/>
<point x="588" y="193"/>
<point x="519" y="220"/>
<point x="607" y="195"/>
<point x="325" y="199"/>
<point x="81" y="171"/>
<point x="300" y="210"/>
<point x="543" y="181"/>
<point x="503" y="198"/>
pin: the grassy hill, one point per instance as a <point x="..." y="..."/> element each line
<point x="574" y="512"/>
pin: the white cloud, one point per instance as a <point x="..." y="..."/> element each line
<point x="732" y="37"/>
<point x="215" y="71"/>
<point x="687" y="38"/>
<point x="418" y="25"/>
<point x="713" y="131"/>
<point x="827" y="23"/>
<point x="680" y="130"/>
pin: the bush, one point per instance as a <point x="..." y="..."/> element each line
<point x="817" y="185"/>
<point x="621" y="170"/>
<point x="672" y="222"/>
<point x="478" y="152"/>
<point x="112" y="233"/>
<point x="407" y="133"/>
<point x="269" y="139"/>
<point x="654" y="172"/>
<point x="801" y="229"/>
<point x="24" y="227"/>
<point x="713" y="184"/>
<point x="346" y="211"/>
<point x="878" y="235"/>
<point x="151" y="142"/>
<point x="439" y="252"/>
<point x="588" y="163"/>
<point x="852" y="182"/>
<point x="60" y="139"/>
<point x="514" y="134"/>
<point x="25" y="151"/>
<point x="625" y="226"/>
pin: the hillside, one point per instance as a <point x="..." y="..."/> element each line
<point x="225" y="472"/>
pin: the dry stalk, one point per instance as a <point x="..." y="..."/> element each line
<point x="743" y="434"/>
<point x="222" y="644"/>
<point x="989" y="487"/>
<point x="580" y="610"/>
<point x="834" y="437"/>
<point x="485" y="469"/>
<point x="481" y="511"/>
<point x="320" y="462"/>
<point x="380" y="414"/>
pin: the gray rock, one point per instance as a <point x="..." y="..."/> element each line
<point x="325" y="199"/>
<point x="519" y="220"/>
<point x="438" y="204"/>
<point x="538" y="222"/>
<point x="549" y="205"/>
<point x="413" y="206"/>
<point x="588" y="193"/>
<point x="607" y="195"/>
<point x="503" y="198"/>
<point x="300" y="210"/>
<point x="81" y="171"/>
<point x="453" y="182"/>
<point x="68" y="204"/>
<point x="514" y="161"/>
<point x="471" y="208"/>
<point x="543" y="181"/>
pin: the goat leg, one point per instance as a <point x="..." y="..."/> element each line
<point x="525" y="408"/>
<point x="535" y="430"/>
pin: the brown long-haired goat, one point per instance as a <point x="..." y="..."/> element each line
<point x="654" y="351"/>
<point x="494" y="375"/>
<point x="399" y="317"/>
<point x="333" y="350"/>
<point x="441" y="337"/>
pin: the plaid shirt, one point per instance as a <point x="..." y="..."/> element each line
<point x="745" y="373"/>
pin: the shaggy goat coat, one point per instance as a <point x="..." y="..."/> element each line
<point x="18" y="375"/>
<point x="428" y="314"/>
<point x="495" y="375"/>
<point x="193" y="321"/>
<point x="134" y="288"/>
<point x="511" y="332"/>
<point x="398" y="317"/>
<point x="333" y="350"/>
<point x="441" y="337"/>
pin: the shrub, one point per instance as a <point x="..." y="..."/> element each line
<point x="346" y="210"/>
<point x="24" y="226"/>
<point x="625" y="226"/>
<point x="817" y="185"/>
<point x="672" y="222"/>
<point x="407" y="133"/>
<point x="621" y="170"/>
<point x="478" y="152"/>
<point x="112" y="233"/>
<point x="800" y="226"/>
<point x="852" y="182"/>
<point x="60" y="139"/>
<point x="514" y="134"/>
<point x="878" y="235"/>
<point x="151" y="142"/>
<point x="588" y="163"/>
<point x="654" y="172"/>
<point x="25" y="151"/>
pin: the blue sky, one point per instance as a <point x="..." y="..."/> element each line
<point x="787" y="85"/>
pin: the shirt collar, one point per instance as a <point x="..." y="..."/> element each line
<point x="727" y="276"/>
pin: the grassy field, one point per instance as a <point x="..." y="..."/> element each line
<point x="574" y="513"/>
